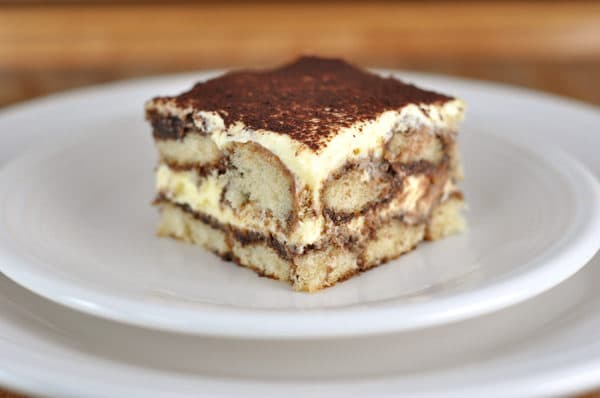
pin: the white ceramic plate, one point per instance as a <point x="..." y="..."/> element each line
<point x="545" y="346"/>
<point x="76" y="227"/>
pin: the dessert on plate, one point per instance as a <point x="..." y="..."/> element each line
<point x="307" y="173"/>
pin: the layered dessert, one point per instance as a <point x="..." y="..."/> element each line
<point x="307" y="173"/>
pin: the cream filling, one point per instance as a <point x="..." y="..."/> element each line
<point x="200" y="194"/>
<point x="203" y="195"/>
<point x="311" y="168"/>
<point x="415" y="188"/>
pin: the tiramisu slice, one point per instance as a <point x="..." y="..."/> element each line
<point x="308" y="173"/>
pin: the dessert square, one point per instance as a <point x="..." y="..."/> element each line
<point x="307" y="173"/>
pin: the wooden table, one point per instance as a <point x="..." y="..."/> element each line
<point x="47" y="47"/>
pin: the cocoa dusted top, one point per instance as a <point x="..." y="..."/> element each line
<point x="309" y="99"/>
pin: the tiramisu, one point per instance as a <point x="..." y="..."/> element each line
<point x="308" y="173"/>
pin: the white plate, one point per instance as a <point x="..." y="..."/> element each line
<point x="547" y="345"/>
<point x="76" y="227"/>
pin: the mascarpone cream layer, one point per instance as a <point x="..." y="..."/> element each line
<point x="312" y="167"/>
<point x="202" y="194"/>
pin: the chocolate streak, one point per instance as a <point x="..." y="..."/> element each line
<point x="404" y="169"/>
<point x="202" y="170"/>
<point x="169" y="127"/>
<point x="244" y="237"/>
<point x="247" y="237"/>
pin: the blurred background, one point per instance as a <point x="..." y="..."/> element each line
<point x="49" y="46"/>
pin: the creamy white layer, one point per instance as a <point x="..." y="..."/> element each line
<point x="312" y="167"/>
<point x="203" y="194"/>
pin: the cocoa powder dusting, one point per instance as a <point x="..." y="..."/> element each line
<point x="309" y="99"/>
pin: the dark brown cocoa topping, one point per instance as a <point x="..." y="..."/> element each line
<point x="308" y="99"/>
